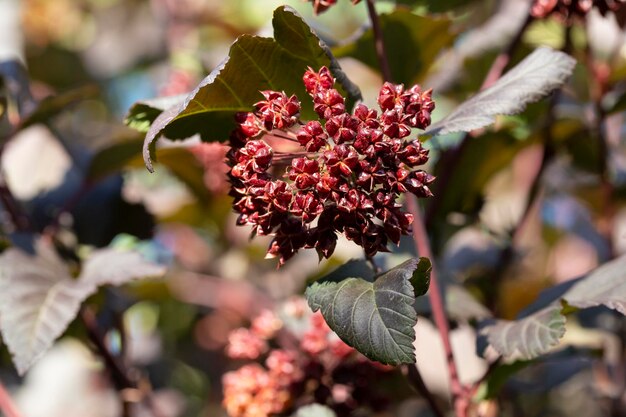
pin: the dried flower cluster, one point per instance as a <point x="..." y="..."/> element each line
<point x="349" y="176"/>
<point x="569" y="9"/>
<point x="320" y="6"/>
<point x="310" y="364"/>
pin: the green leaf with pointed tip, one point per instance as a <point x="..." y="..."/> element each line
<point x="413" y="43"/>
<point x="378" y="318"/>
<point x="143" y="113"/>
<point x="253" y="64"/>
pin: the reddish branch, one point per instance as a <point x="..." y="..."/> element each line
<point x="422" y="245"/>
<point x="6" y="403"/>
<point x="379" y="42"/>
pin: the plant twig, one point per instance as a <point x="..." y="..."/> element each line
<point x="504" y="58"/>
<point x="132" y="389"/>
<point x="7" y="406"/>
<point x="416" y="381"/>
<point x="19" y="219"/>
<point x="422" y="244"/>
<point x="379" y="42"/>
<point x="119" y="374"/>
<point x="375" y="266"/>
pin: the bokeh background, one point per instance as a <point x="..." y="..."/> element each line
<point x="107" y="54"/>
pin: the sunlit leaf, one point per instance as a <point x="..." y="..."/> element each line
<point x="253" y="64"/>
<point x="39" y="297"/>
<point x="375" y="318"/>
<point x="537" y="75"/>
<point x="143" y="113"/>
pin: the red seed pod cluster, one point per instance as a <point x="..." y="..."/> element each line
<point x="308" y="363"/>
<point x="320" y="6"/>
<point x="348" y="176"/>
<point x="570" y="9"/>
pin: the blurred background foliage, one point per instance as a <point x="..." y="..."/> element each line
<point x="78" y="168"/>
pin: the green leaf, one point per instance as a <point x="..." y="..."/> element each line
<point x="113" y="158"/>
<point x="413" y="42"/>
<point x="253" y="64"/>
<point x="497" y="378"/>
<point x="143" y="113"/>
<point x="420" y="280"/>
<point x="376" y="318"/>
